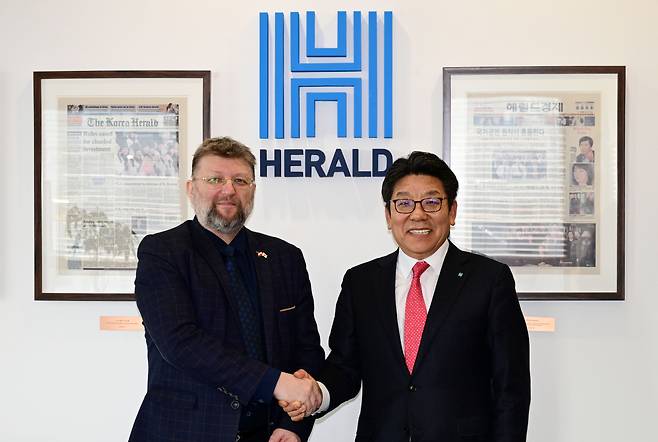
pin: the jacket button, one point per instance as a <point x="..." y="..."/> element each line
<point x="235" y="405"/>
<point x="412" y="388"/>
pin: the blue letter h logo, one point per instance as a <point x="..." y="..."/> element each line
<point x="345" y="75"/>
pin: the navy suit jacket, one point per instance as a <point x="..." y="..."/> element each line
<point x="471" y="379"/>
<point x="199" y="376"/>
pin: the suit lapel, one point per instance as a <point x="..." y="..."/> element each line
<point x="451" y="280"/>
<point x="384" y="289"/>
<point x="259" y="254"/>
<point x="205" y="247"/>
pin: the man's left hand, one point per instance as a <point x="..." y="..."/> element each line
<point x="281" y="435"/>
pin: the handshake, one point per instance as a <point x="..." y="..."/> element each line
<point x="298" y="394"/>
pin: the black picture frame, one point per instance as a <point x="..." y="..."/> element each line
<point x="483" y="127"/>
<point x="75" y="142"/>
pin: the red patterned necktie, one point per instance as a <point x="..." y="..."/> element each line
<point x="415" y="314"/>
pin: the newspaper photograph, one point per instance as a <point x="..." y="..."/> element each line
<point x="120" y="180"/>
<point x="528" y="193"/>
<point x="538" y="244"/>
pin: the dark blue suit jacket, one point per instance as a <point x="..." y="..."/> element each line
<point x="199" y="375"/>
<point x="471" y="380"/>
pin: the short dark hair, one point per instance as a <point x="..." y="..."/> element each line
<point x="588" y="139"/>
<point x="587" y="167"/>
<point x="225" y="147"/>
<point x="420" y="163"/>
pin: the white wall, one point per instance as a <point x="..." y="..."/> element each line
<point x="61" y="379"/>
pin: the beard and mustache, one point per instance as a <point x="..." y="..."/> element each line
<point x="210" y="217"/>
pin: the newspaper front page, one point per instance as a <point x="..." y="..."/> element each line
<point x="120" y="180"/>
<point x="528" y="194"/>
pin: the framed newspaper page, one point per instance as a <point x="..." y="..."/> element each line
<point x="111" y="150"/>
<point x="539" y="152"/>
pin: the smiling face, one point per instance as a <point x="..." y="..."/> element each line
<point x="222" y="208"/>
<point x="580" y="175"/>
<point x="585" y="147"/>
<point x="419" y="234"/>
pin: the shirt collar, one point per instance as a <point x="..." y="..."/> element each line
<point x="435" y="260"/>
<point x="239" y="243"/>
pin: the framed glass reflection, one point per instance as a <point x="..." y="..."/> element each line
<point x="539" y="152"/>
<point x="111" y="153"/>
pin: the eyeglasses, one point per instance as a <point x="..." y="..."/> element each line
<point x="407" y="206"/>
<point x="216" y="181"/>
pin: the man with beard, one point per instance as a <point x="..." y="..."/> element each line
<point x="228" y="314"/>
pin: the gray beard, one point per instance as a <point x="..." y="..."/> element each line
<point x="210" y="219"/>
<point x="216" y="222"/>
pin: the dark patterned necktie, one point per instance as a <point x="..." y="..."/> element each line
<point x="247" y="312"/>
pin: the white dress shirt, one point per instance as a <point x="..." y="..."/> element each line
<point x="403" y="278"/>
<point x="428" y="280"/>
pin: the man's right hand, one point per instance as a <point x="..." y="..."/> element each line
<point x="298" y="395"/>
<point x="298" y="409"/>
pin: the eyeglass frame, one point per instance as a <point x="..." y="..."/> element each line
<point x="222" y="181"/>
<point x="416" y="202"/>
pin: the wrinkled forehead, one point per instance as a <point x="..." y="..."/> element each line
<point x="225" y="166"/>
